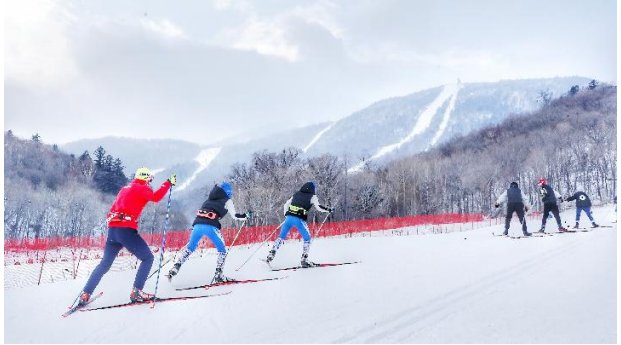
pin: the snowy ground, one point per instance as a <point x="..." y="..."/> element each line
<point x="465" y="287"/>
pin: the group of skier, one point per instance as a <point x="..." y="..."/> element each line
<point x="125" y="211"/>
<point x="123" y="229"/>
<point x="516" y="202"/>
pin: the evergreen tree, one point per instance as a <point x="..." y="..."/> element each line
<point x="118" y="177"/>
<point x="99" y="153"/>
<point x="593" y="84"/>
<point x="574" y="90"/>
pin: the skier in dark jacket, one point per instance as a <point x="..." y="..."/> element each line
<point x="548" y="197"/>
<point x="296" y="211"/>
<point x="583" y="203"/>
<point x="207" y="223"/>
<point x="123" y="233"/>
<point x="516" y="202"/>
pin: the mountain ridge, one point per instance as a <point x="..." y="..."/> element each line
<point x="385" y="130"/>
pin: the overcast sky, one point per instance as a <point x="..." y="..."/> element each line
<point x="203" y="70"/>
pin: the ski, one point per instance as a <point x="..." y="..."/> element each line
<point x="532" y="234"/>
<point x="155" y="271"/>
<point x="315" y="266"/>
<point x="573" y="231"/>
<point x="77" y="307"/>
<point x="231" y="282"/>
<point x="158" y="299"/>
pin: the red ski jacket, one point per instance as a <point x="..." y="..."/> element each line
<point x="130" y="201"/>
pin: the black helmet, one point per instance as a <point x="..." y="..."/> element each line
<point x="308" y="187"/>
<point x="513" y="185"/>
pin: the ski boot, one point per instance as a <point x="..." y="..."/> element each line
<point x="576" y="226"/>
<point x="562" y="229"/>
<point x="138" y="295"/>
<point x="526" y="234"/>
<point x="506" y="233"/>
<point x="305" y="263"/>
<point x="220" y="278"/>
<point x="542" y="230"/>
<point x="173" y="271"/>
<point x="270" y="256"/>
<point x="84" y="298"/>
<point x="595" y="225"/>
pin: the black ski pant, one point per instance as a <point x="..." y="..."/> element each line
<point x="518" y="208"/>
<point x="547" y="208"/>
<point x="119" y="238"/>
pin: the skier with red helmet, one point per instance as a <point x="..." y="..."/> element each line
<point x="123" y="233"/>
<point x="549" y="197"/>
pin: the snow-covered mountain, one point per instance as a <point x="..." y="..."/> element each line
<point x="404" y="125"/>
<point x="385" y="130"/>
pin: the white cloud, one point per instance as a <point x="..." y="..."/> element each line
<point x="451" y="58"/>
<point x="271" y="34"/>
<point x="37" y="50"/>
<point x="163" y="27"/>
<point x="322" y="14"/>
<point x="264" y="37"/>
<point x="223" y="5"/>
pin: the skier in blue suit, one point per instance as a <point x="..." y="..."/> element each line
<point x="207" y="223"/>
<point x="583" y="203"/>
<point x="296" y="211"/>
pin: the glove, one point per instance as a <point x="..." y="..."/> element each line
<point x="561" y="198"/>
<point x="496" y="205"/>
<point x="173" y="179"/>
<point x="248" y="214"/>
<point x="525" y="208"/>
<point x="331" y="209"/>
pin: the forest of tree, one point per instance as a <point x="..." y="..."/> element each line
<point x="571" y="141"/>
<point x="51" y="193"/>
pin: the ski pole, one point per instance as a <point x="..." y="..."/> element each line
<point x="157" y="281"/>
<point x="321" y="225"/>
<point x="261" y="245"/>
<point x="238" y="232"/>
<point x="235" y="239"/>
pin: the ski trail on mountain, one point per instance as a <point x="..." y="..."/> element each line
<point x="423" y="122"/>
<point x="446" y="117"/>
<point x="316" y="138"/>
<point x="403" y="325"/>
<point x="204" y="158"/>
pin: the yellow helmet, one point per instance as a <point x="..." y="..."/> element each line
<point x="143" y="174"/>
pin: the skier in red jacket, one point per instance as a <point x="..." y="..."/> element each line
<point x="123" y="233"/>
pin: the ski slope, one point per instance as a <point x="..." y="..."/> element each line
<point x="464" y="287"/>
<point x="449" y="92"/>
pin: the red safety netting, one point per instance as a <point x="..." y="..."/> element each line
<point x="178" y="238"/>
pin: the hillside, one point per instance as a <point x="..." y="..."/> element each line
<point x="556" y="289"/>
<point x="153" y="153"/>
<point x="571" y="142"/>
<point x="384" y="131"/>
<point x="48" y="192"/>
